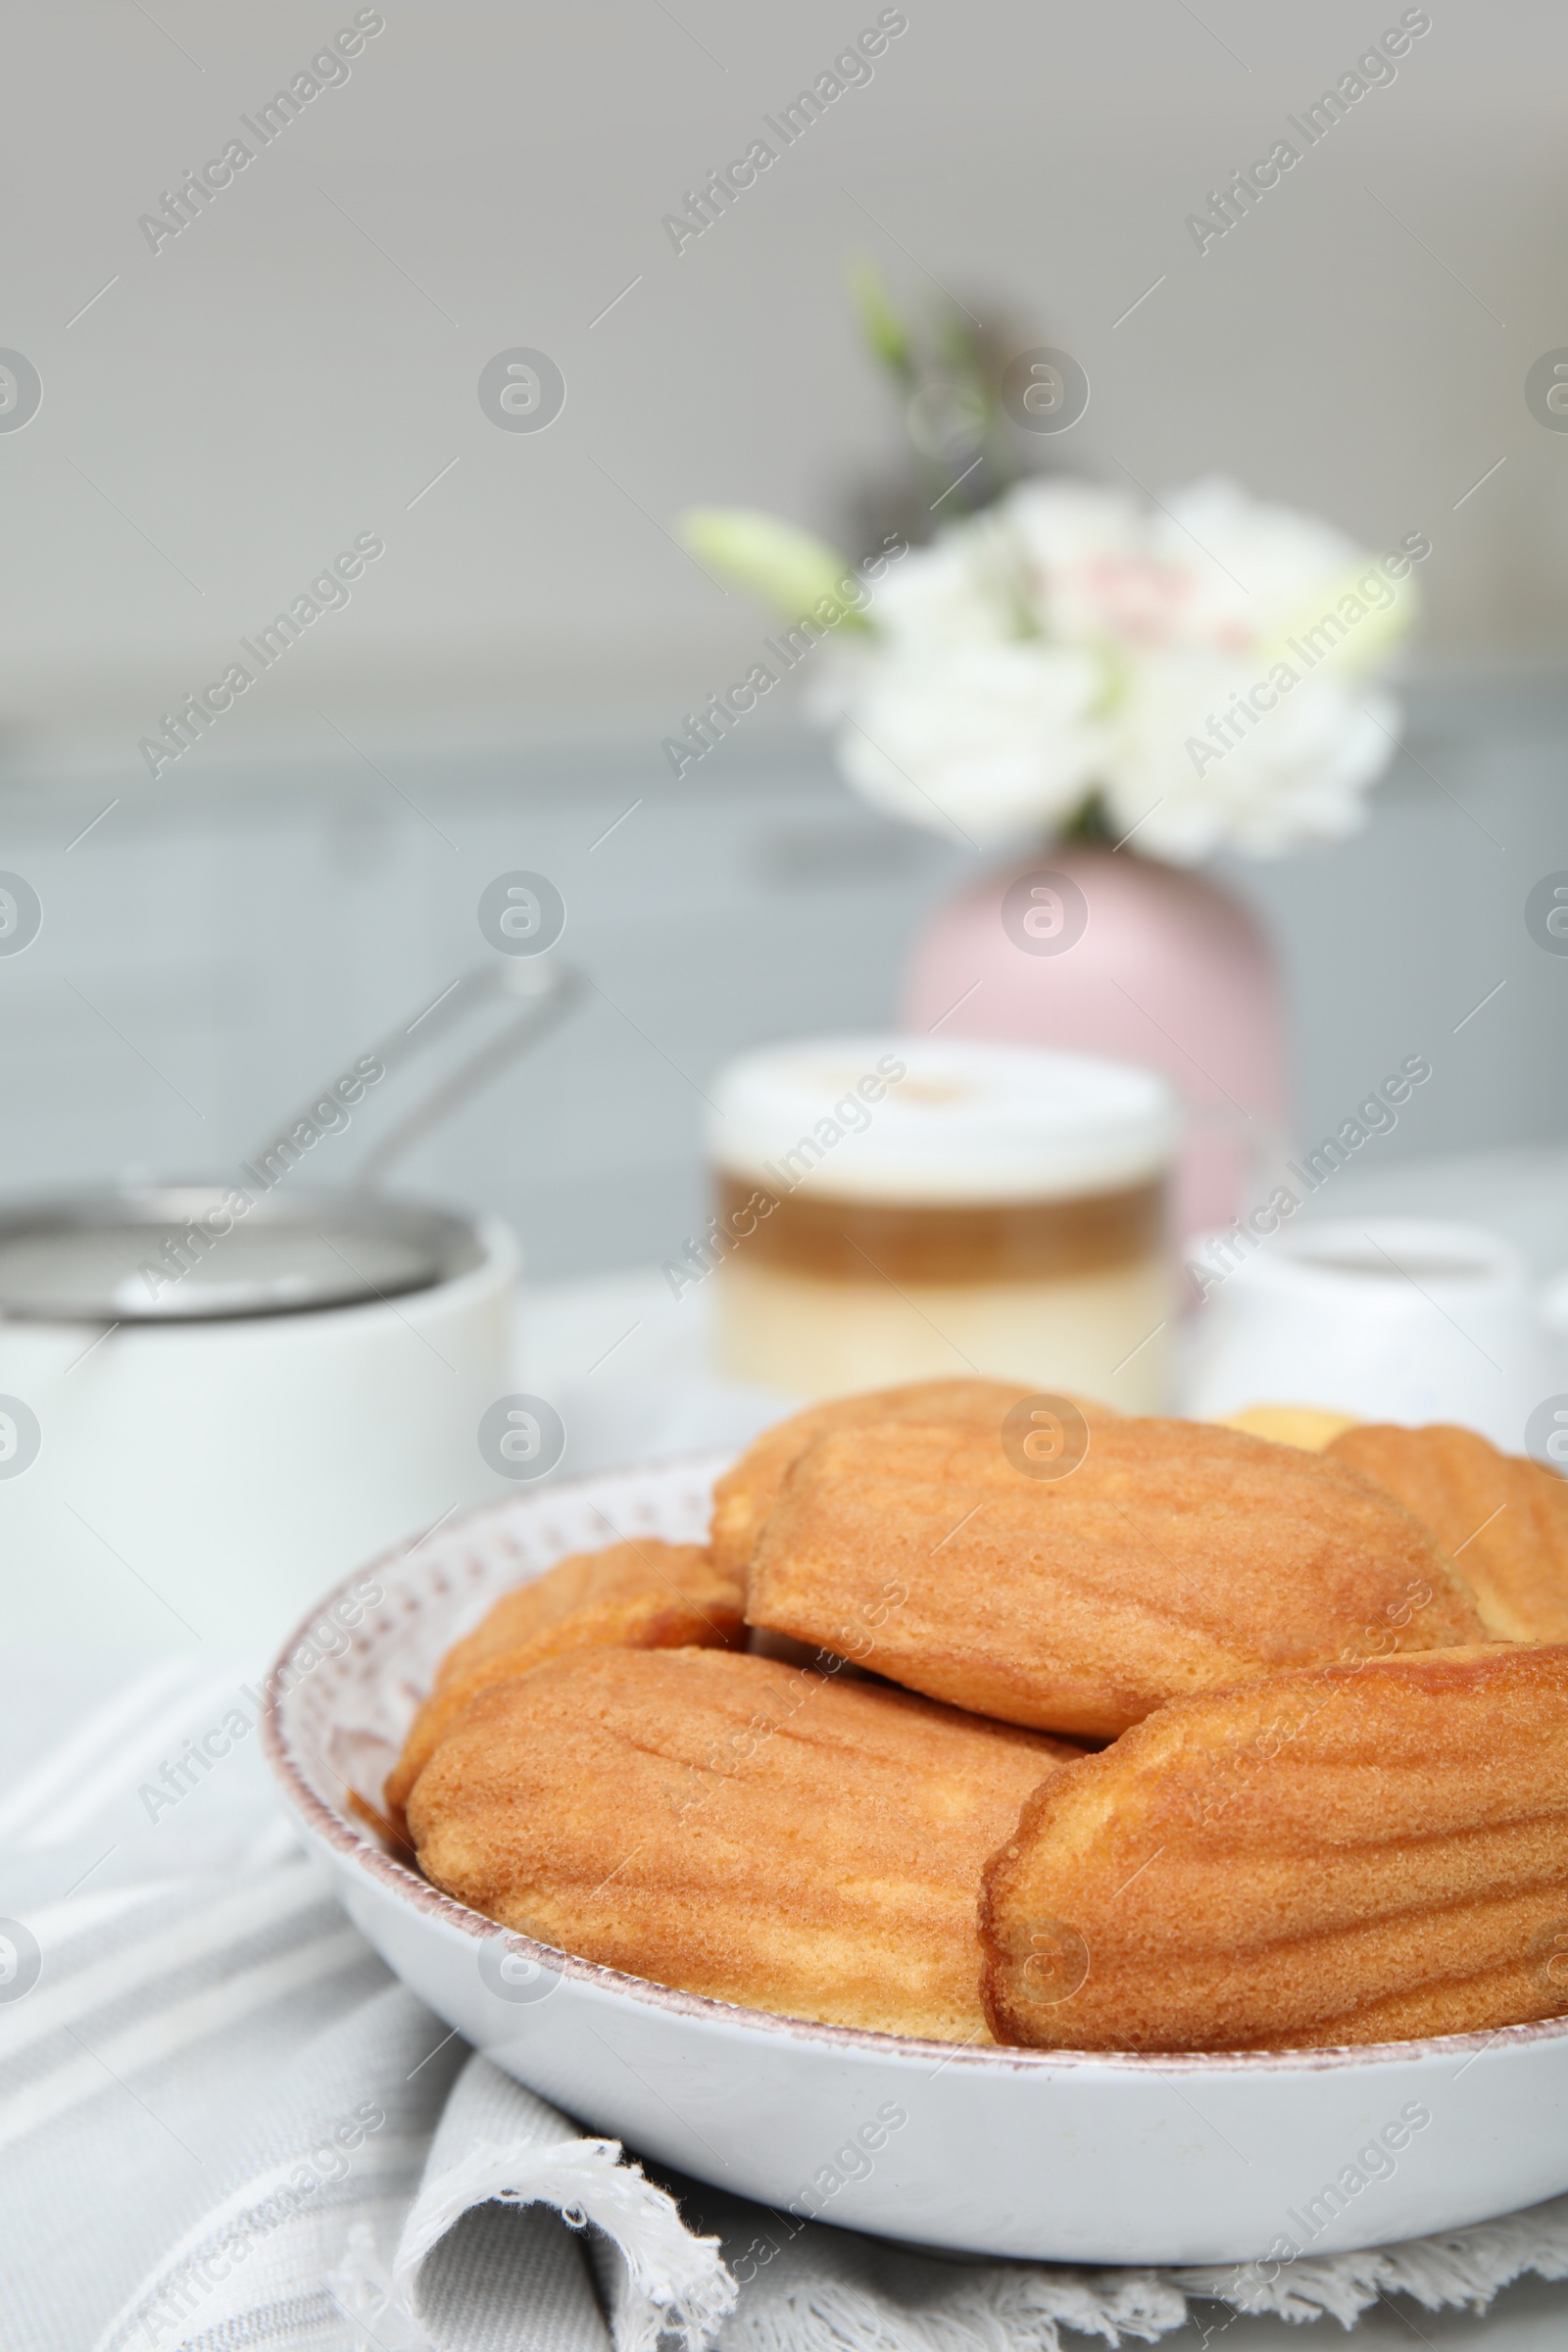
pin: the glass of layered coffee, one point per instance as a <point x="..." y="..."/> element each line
<point x="893" y="1209"/>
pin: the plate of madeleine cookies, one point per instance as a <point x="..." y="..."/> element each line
<point x="986" y="1820"/>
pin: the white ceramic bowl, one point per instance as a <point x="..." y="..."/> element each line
<point x="1061" y="2155"/>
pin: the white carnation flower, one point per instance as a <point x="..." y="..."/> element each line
<point x="1188" y="773"/>
<point x="1061" y="522"/>
<point x="1071" y="640"/>
<point x="1085" y="566"/>
<point x="951" y="593"/>
<point x="986" y="739"/>
<point x="1246" y="569"/>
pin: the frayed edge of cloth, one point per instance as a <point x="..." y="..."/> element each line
<point x="1465" y="2267"/>
<point x="671" y="2283"/>
<point x="1014" y="2309"/>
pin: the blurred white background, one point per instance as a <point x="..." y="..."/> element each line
<point x="301" y="362"/>
<point x="280" y="376"/>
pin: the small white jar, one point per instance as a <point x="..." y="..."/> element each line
<point x="897" y="1208"/>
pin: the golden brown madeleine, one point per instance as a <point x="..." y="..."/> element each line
<point x="735" y="1827"/>
<point x="1503" y="1519"/>
<point x="747" y="1492"/>
<point x="1364" y="1853"/>
<point x="1310" y="1426"/>
<point x="640" y="1595"/>
<point x="1174" y="1557"/>
<point x="625" y="1572"/>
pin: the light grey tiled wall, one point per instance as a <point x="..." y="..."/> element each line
<point x="209" y="954"/>
<point x="1393" y="939"/>
<point x="207" y="957"/>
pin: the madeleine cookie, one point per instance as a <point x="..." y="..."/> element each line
<point x="1312" y="1427"/>
<point x="1363" y="1853"/>
<point x="1077" y="1591"/>
<point x="741" y="1829"/>
<point x="1502" y="1519"/>
<point x="641" y="1595"/>
<point x="745" y="1494"/>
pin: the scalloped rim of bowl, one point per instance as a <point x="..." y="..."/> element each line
<point x="348" y="1838"/>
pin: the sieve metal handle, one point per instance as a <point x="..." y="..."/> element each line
<point x="544" y="992"/>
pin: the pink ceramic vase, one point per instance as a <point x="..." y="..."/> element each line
<point x="1098" y="951"/>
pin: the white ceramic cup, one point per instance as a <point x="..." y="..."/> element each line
<point x="213" y="1397"/>
<point x="197" y="1482"/>
<point x="1388" y="1318"/>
